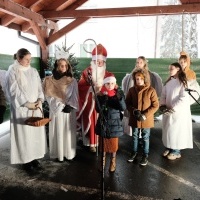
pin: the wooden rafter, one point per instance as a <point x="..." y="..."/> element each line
<point x="76" y="4"/>
<point x="66" y="29"/>
<point x="7" y="19"/>
<point x="55" y="5"/>
<point x="39" y="34"/>
<point x="123" y="12"/>
<point x="16" y="10"/>
<point x="60" y="5"/>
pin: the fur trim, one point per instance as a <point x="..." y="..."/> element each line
<point x="145" y="73"/>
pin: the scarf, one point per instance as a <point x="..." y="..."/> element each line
<point x="20" y="76"/>
<point x="105" y="91"/>
<point x="57" y="88"/>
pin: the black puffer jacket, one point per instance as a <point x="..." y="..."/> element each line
<point x="109" y="123"/>
<point x="2" y="104"/>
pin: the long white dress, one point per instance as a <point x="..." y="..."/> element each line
<point x="27" y="142"/>
<point x="62" y="128"/>
<point x="177" y="127"/>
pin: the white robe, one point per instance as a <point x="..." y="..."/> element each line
<point x="194" y="85"/>
<point x="62" y="128"/>
<point x="27" y="142"/>
<point x="177" y="127"/>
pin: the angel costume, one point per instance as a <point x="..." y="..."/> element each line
<point x="27" y="142"/>
<point x="177" y="127"/>
<point x="62" y="128"/>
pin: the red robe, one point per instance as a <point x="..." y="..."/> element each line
<point x="87" y="115"/>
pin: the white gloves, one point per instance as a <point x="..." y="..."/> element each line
<point x="39" y="103"/>
<point x="166" y="111"/>
<point x="31" y="106"/>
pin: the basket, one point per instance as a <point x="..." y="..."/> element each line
<point x="37" y="121"/>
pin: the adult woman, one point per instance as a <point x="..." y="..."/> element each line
<point x="61" y="92"/>
<point x="25" y="95"/>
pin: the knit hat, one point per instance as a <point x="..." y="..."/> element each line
<point x="109" y="79"/>
<point x="101" y="53"/>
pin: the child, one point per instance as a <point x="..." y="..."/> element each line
<point x="61" y="92"/>
<point x="142" y="103"/>
<point x="109" y="124"/>
<point x="127" y="83"/>
<point x="184" y="61"/>
<point x="175" y="105"/>
<point x="2" y="104"/>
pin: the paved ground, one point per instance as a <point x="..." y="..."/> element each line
<point x="80" y="179"/>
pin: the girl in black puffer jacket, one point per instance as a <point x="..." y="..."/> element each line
<point x="2" y="104"/>
<point x="109" y="124"/>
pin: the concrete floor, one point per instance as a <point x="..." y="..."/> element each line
<point x="80" y="179"/>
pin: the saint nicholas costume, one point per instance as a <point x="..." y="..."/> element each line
<point x="87" y="115"/>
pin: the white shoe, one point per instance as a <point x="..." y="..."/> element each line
<point x="172" y="156"/>
<point x="166" y="152"/>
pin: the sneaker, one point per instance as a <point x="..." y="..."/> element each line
<point x="165" y="153"/>
<point x="133" y="156"/>
<point x="172" y="156"/>
<point x="144" y="161"/>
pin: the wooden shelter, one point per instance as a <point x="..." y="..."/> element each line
<point x="40" y="17"/>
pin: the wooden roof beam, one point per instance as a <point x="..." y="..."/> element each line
<point x="16" y="10"/>
<point x="39" y="34"/>
<point x="76" y="4"/>
<point x="66" y="29"/>
<point x="8" y="19"/>
<point x="60" y="5"/>
<point x="55" y="5"/>
<point x="124" y="12"/>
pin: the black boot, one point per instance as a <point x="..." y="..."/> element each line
<point x="36" y="165"/>
<point x="28" y="166"/>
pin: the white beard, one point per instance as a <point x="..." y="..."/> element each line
<point x="98" y="74"/>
